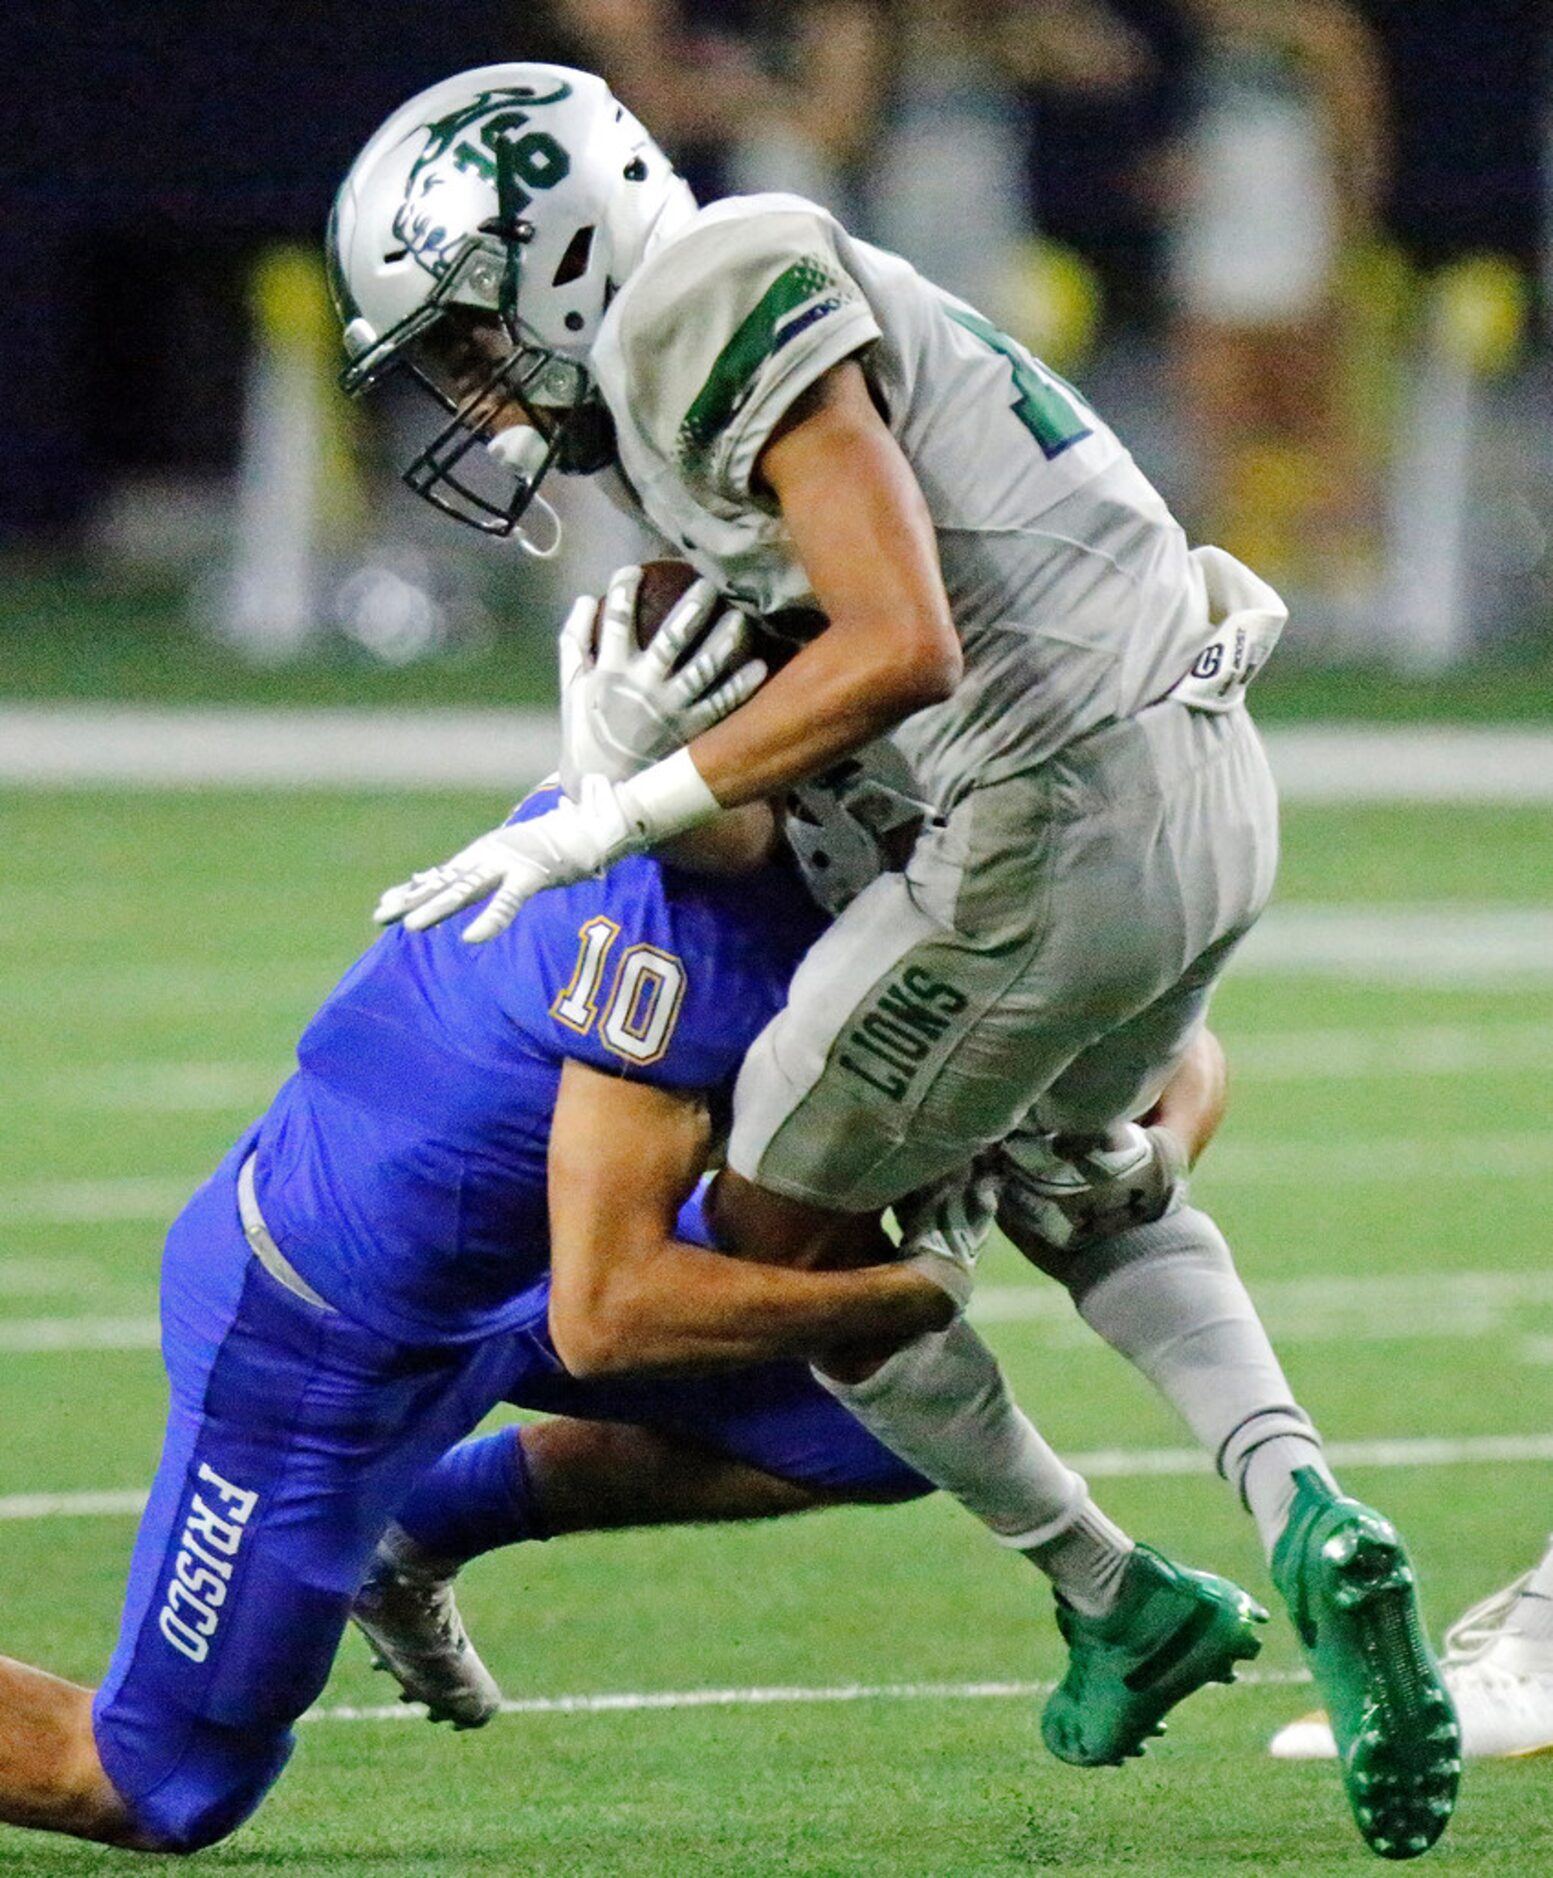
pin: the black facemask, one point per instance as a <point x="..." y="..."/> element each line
<point x="486" y="487"/>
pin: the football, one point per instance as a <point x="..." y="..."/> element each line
<point x="776" y="637"/>
<point x="661" y="585"/>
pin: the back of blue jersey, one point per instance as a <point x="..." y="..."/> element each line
<point x="402" y="1169"/>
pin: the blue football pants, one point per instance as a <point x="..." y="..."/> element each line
<point x="293" y="1435"/>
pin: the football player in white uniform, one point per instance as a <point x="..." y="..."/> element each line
<point x="1007" y="630"/>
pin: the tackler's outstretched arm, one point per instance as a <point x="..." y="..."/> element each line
<point x="628" y="1296"/>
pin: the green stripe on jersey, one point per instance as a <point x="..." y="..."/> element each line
<point x="752" y="344"/>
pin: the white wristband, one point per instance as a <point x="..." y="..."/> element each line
<point x="666" y="799"/>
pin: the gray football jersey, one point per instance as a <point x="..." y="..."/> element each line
<point x="1068" y="579"/>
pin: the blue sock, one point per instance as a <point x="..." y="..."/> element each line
<point x="477" y="1497"/>
<point x="692" y="1226"/>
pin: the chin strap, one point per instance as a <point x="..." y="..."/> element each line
<point x="541" y="550"/>
<point x="522" y="450"/>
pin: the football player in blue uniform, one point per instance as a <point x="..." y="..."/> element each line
<point x="366" y="1275"/>
<point x="621" y="1452"/>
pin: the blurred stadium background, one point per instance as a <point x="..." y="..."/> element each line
<point x="1299" y="252"/>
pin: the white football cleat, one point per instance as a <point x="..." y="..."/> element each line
<point x="408" y="1613"/>
<point x="1306" y="1738"/>
<point x="1501" y="1683"/>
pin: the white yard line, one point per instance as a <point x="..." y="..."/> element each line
<point x="73" y="1336"/>
<point x="151" y="1198"/>
<point x="1444" y="945"/>
<point x="1424" y="1305"/>
<point x="110" y="1500"/>
<point x="1345" y="1054"/>
<point x="634" y="1701"/>
<point x="163" y="1088"/>
<point x="1099" y="1464"/>
<point x="1380" y="1162"/>
<point x="1346" y="763"/>
<point x="50" y="746"/>
<point x="58" y="745"/>
<point x="1429" y="1304"/>
<point x="1335" y="1054"/>
<point x="197" y="986"/>
<point x="22" y="1277"/>
<point x="1411" y="1451"/>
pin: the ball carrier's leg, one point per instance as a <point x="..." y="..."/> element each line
<point x="1142" y="1632"/>
<point x="1166" y="1295"/>
<point x="943" y="1406"/>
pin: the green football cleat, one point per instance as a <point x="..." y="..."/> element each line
<point x="1349" y="1587"/>
<point x="1170" y="1631"/>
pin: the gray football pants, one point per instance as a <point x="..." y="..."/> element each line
<point x="1048" y="954"/>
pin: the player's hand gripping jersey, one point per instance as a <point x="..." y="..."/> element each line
<point x="402" y="1169"/>
<point x="1070" y="584"/>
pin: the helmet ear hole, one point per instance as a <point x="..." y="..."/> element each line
<point x="573" y="264"/>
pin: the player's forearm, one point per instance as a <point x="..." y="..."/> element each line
<point x="846" y="688"/>
<point x="682" y="1308"/>
<point x="1192" y="1103"/>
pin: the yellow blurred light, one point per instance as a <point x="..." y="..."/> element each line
<point x="1480" y="312"/>
<point x="289" y="297"/>
<point x="1054" y="302"/>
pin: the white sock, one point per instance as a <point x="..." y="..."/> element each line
<point x="1267" y="1483"/>
<point x="1532" y="1616"/>
<point x="1086" y="1561"/>
<point x="942" y="1405"/>
<point x="1168" y="1298"/>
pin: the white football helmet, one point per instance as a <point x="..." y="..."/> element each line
<point x="518" y="197"/>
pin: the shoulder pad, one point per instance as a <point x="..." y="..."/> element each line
<point x="724" y="325"/>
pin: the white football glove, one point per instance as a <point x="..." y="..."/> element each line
<point x="1067" y="1192"/>
<point x="566" y="843"/>
<point x="625" y="708"/>
<point x="945" y="1226"/>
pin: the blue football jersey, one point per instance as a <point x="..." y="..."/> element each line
<point x="402" y="1169"/>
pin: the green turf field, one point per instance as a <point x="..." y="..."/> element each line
<point x="1385" y="1174"/>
